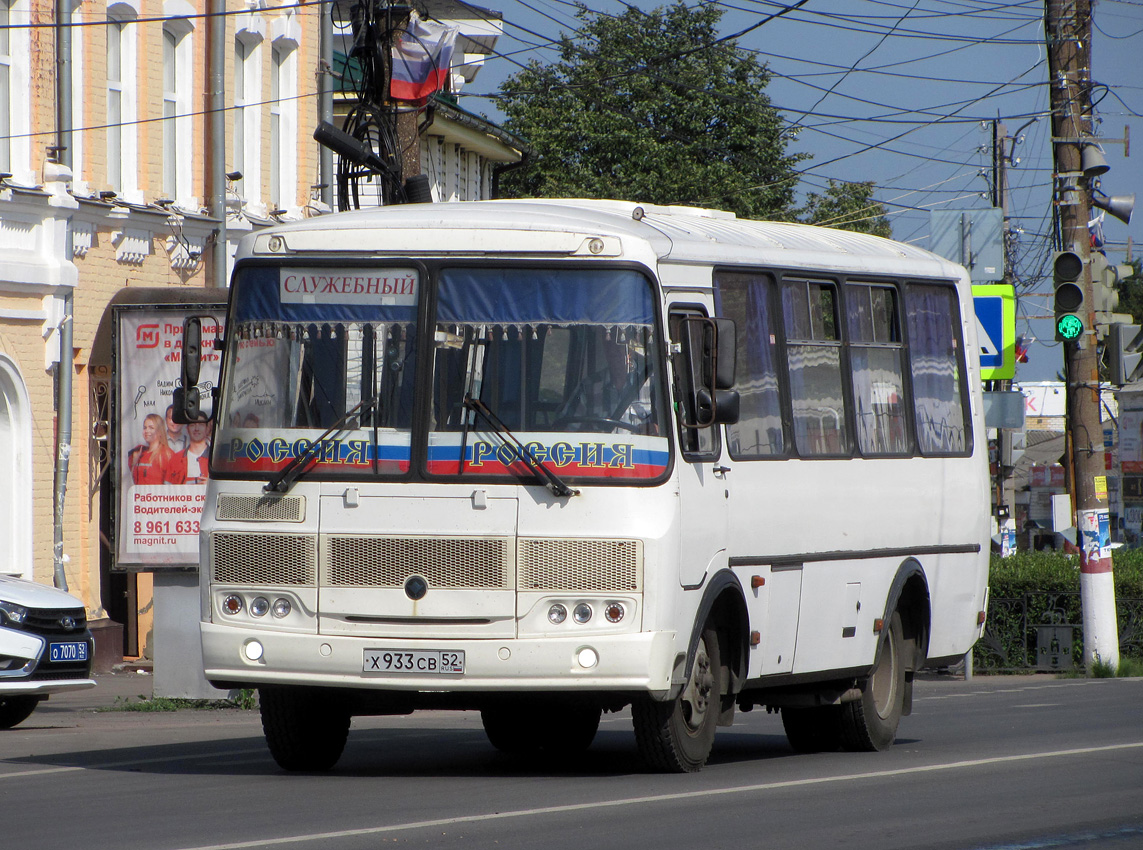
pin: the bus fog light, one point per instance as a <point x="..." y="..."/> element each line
<point x="252" y="650"/>
<point x="557" y="613"/>
<point x="282" y="608"/>
<point x="259" y="605"/>
<point x="614" y="612"/>
<point x="232" y="604"/>
<point x="582" y="613"/>
<point x="587" y="658"/>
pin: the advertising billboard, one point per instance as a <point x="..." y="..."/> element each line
<point x="160" y="466"/>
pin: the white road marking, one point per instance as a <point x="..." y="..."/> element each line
<point x="661" y="798"/>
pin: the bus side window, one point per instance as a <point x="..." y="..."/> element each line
<point x="936" y="357"/>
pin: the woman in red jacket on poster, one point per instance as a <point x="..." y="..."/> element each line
<point x="150" y="462"/>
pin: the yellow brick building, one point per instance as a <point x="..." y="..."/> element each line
<point x="107" y="186"/>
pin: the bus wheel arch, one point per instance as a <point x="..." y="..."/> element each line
<point x="724" y="605"/>
<point x="677" y="735"/>
<point x="870" y="721"/>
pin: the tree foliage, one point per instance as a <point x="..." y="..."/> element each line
<point x="1131" y="293"/>
<point x="650" y="106"/>
<point x="848" y="206"/>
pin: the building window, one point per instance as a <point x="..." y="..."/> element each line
<point x="15" y="91"/>
<point x="241" y="56"/>
<point x="121" y="134"/>
<point x="15" y="471"/>
<point x="5" y="87"/>
<point x="283" y="124"/>
<point x="178" y="140"/>
<point x="170" y="113"/>
<point x="276" y="75"/>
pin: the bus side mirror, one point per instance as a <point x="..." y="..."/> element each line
<point x="719" y="408"/>
<point x="187" y="399"/>
<point x="711" y="356"/>
<point x="720" y="354"/>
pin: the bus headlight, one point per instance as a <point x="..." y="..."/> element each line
<point x="282" y="607"/>
<point x="582" y="613"/>
<point x="259" y="605"/>
<point x="557" y="614"/>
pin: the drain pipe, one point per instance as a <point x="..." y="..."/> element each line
<point x="325" y="102"/>
<point x="216" y="21"/>
<point x="64" y="370"/>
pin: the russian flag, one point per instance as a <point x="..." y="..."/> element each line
<point x="422" y="58"/>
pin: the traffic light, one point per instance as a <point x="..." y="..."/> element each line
<point x="1105" y="279"/>
<point x="1124" y="354"/>
<point x="1067" y="272"/>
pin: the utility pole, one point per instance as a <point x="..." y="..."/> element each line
<point x="1068" y="30"/>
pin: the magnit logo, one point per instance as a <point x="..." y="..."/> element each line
<point x="147" y="336"/>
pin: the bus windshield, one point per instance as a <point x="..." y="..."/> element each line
<point x="565" y="360"/>
<point x="308" y="346"/>
<point x="564" y="364"/>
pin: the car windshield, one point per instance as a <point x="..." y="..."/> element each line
<point x="307" y="347"/>
<point x="567" y="360"/>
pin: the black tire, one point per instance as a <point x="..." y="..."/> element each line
<point x="870" y="723"/>
<point x="305" y="728"/>
<point x="511" y="730"/>
<point x="530" y="728"/>
<point x="677" y="736"/>
<point x="16" y="709"/>
<point x="813" y="729"/>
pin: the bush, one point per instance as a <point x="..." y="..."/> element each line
<point x="1053" y="580"/>
<point x="1055" y="572"/>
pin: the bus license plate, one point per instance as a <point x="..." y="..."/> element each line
<point x="72" y="650"/>
<point x="413" y="661"/>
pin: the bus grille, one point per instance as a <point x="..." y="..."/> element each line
<point x="606" y="566"/>
<point x="261" y="508"/>
<point x="453" y="562"/>
<point x="274" y="559"/>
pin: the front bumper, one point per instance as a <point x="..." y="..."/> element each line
<point x="28" y="670"/>
<point x="640" y="662"/>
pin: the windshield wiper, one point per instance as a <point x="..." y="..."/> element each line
<point x="552" y="481"/>
<point x="289" y="473"/>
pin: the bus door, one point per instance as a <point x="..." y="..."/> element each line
<point x="704" y="483"/>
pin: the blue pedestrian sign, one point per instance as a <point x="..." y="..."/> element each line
<point x="996" y="330"/>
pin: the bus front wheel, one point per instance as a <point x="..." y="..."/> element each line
<point x="305" y="729"/>
<point x="870" y="723"/>
<point x="677" y="736"/>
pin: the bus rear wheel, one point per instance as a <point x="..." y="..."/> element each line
<point x="305" y="728"/>
<point x="870" y="723"/>
<point x="677" y="736"/>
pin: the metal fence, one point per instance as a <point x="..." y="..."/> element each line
<point x="1044" y="631"/>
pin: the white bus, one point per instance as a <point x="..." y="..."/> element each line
<point x="547" y="459"/>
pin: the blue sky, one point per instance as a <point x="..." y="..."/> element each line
<point x="903" y="94"/>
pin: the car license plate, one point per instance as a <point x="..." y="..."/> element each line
<point x="413" y="661"/>
<point x="72" y="650"/>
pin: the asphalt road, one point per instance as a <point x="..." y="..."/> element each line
<point x="996" y="763"/>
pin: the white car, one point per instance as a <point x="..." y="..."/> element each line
<point x="45" y="647"/>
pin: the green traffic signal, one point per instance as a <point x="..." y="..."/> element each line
<point x="1069" y="327"/>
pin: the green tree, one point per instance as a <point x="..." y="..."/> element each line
<point x="848" y="206"/>
<point x="650" y="106"/>
<point x="1131" y="292"/>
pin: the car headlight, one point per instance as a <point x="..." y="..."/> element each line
<point x="12" y="613"/>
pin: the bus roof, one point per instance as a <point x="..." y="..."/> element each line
<point x="566" y="227"/>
